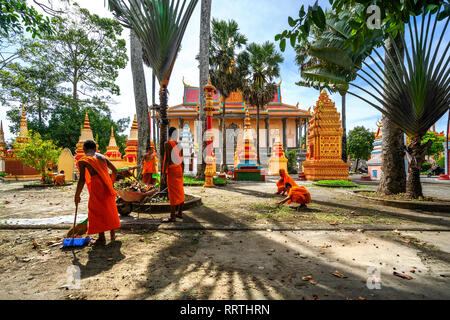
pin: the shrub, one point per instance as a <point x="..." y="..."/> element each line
<point x="441" y="162"/>
<point x="426" y="166"/>
<point x="292" y="161"/>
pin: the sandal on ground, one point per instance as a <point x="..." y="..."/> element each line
<point x="98" y="242"/>
<point x="171" y="219"/>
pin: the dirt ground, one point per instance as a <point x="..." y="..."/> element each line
<point x="234" y="249"/>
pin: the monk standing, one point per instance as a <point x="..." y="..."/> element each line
<point x="102" y="209"/>
<point x="284" y="178"/>
<point x="173" y="168"/>
<point x="297" y="194"/>
<point x="148" y="163"/>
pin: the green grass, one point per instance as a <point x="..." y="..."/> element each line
<point x="191" y="180"/>
<point x="344" y="183"/>
<point x="270" y="211"/>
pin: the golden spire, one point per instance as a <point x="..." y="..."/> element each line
<point x="112" y="139"/>
<point x="23" y="124"/>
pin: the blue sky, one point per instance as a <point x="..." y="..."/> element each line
<point x="260" y="21"/>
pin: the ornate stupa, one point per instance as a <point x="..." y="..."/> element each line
<point x="112" y="151"/>
<point x="14" y="168"/>
<point x="86" y="134"/>
<point x="323" y="157"/>
<point x="277" y="159"/>
<point x="239" y="146"/>
<point x="248" y="168"/>
<point x="131" y="149"/>
<point x="187" y="142"/>
<point x="375" y="161"/>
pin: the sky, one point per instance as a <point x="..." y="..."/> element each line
<point x="260" y="21"/>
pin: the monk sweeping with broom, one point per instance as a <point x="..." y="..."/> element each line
<point x="102" y="209"/>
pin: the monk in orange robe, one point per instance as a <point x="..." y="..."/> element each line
<point x="173" y="168"/>
<point x="102" y="210"/>
<point x="297" y="194"/>
<point x="284" y="178"/>
<point x="148" y="163"/>
<point x="60" y="179"/>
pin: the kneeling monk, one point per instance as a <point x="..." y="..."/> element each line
<point x="102" y="209"/>
<point x="297" y="194"/>
<point x="148" y="163"/>
<point x="173" y="168"/>
<point x="60" y="179"/>
<point x="284" y="178"/>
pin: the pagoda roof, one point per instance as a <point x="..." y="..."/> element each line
<point x="234" y="105"/>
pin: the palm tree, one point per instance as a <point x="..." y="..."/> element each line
<point x="259" y="88"/>
<point x="319" y="73"/>
<point x="226" y="75"/>
<point x="203" y="57"/>
<point x="159" y="25"/>
<point x="412" y="92"/>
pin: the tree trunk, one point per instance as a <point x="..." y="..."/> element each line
<point x="393" y="180"/>
<point x="447" y="147"/>
<point x="415" y="153"/>
<point x="344" y="127"/>
<point x="40" y="114"/>
<point x="224" y="167"/>
<point x="356" y="165"/>
<point x="257" y="134"/>
<point x="153" y="111"/>
<point x="163" y="129"/>
<point x="140" y="94"/>
<point x="205" y="21"/>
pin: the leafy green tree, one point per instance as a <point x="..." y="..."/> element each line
<point x="264" y="67"/>
<point x="37" y="153"/>
<point x="436" y="147"/>
<point x="159" y="25"/>
<point x="227" y="68"/>
<point x="360" y="144"/>
<point x="87" y="50"/>
<point x="292" y="161"/>
<point x="16" y="14"/>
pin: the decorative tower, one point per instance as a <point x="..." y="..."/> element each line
<point x="86" y="134"/>
<point x="210" y="160"/>
<point x="239" y="146"/>
<point x="323" y="157"/>
<point x="131" y="150"/>
<point x="375" y="161"/>
<point x="187" y="142"/>
<point x="277" y="160"/>
<point x="13" y="167"/>
<point x="248" y="168"/>
<point x="112" y="152"/>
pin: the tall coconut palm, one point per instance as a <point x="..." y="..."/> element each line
<point x="159" y="25"/>
<point x="259" y="89"/>
<point x="412" y="91"/>
<point x="227" y="69"/>
<point x="203" y="57"/>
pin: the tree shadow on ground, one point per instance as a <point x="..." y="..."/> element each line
<point x="100" y="259"/>
<point x="196" y="266"/>
<point x="434" y="220"/>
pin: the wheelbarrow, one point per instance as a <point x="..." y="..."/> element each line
<point x="126" y="200"/>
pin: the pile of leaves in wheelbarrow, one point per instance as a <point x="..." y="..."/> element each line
<point x="132" y="184"/>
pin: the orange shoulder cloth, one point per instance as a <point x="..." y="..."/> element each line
<point x="102" y="170"/>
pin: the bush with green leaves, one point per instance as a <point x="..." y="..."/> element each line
<point x="441" y="162"/>
<point x="426" y="166"/>
<point x="292" y="161"/>
<point x="37" y="153"/>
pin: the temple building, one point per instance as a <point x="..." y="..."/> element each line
<point x="131" y="149"/>
<point x="14" y="168"/>
<point x="280" y="119"/>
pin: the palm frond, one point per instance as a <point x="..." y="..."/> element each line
<point x="159" y="25"/>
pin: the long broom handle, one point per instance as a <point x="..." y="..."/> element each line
<point x="75" y="219"/>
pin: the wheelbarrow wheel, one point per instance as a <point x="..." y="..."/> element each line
<point x="124" y="208"/>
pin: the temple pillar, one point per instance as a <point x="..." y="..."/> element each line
<point x="284" y="134"/>
<point x="296" y="134"/>
<point x="267" y="136"/>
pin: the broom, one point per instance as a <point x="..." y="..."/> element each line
<point x="71" y="241"/>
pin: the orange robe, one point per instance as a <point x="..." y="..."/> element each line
<point x="175" y="177"/>
<point x="285" y="178"/>
<point x="102" y="209"/>
<point x="149" y="170"/>
<point x="60" y="179"/>
<point x="299" y="194"/>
